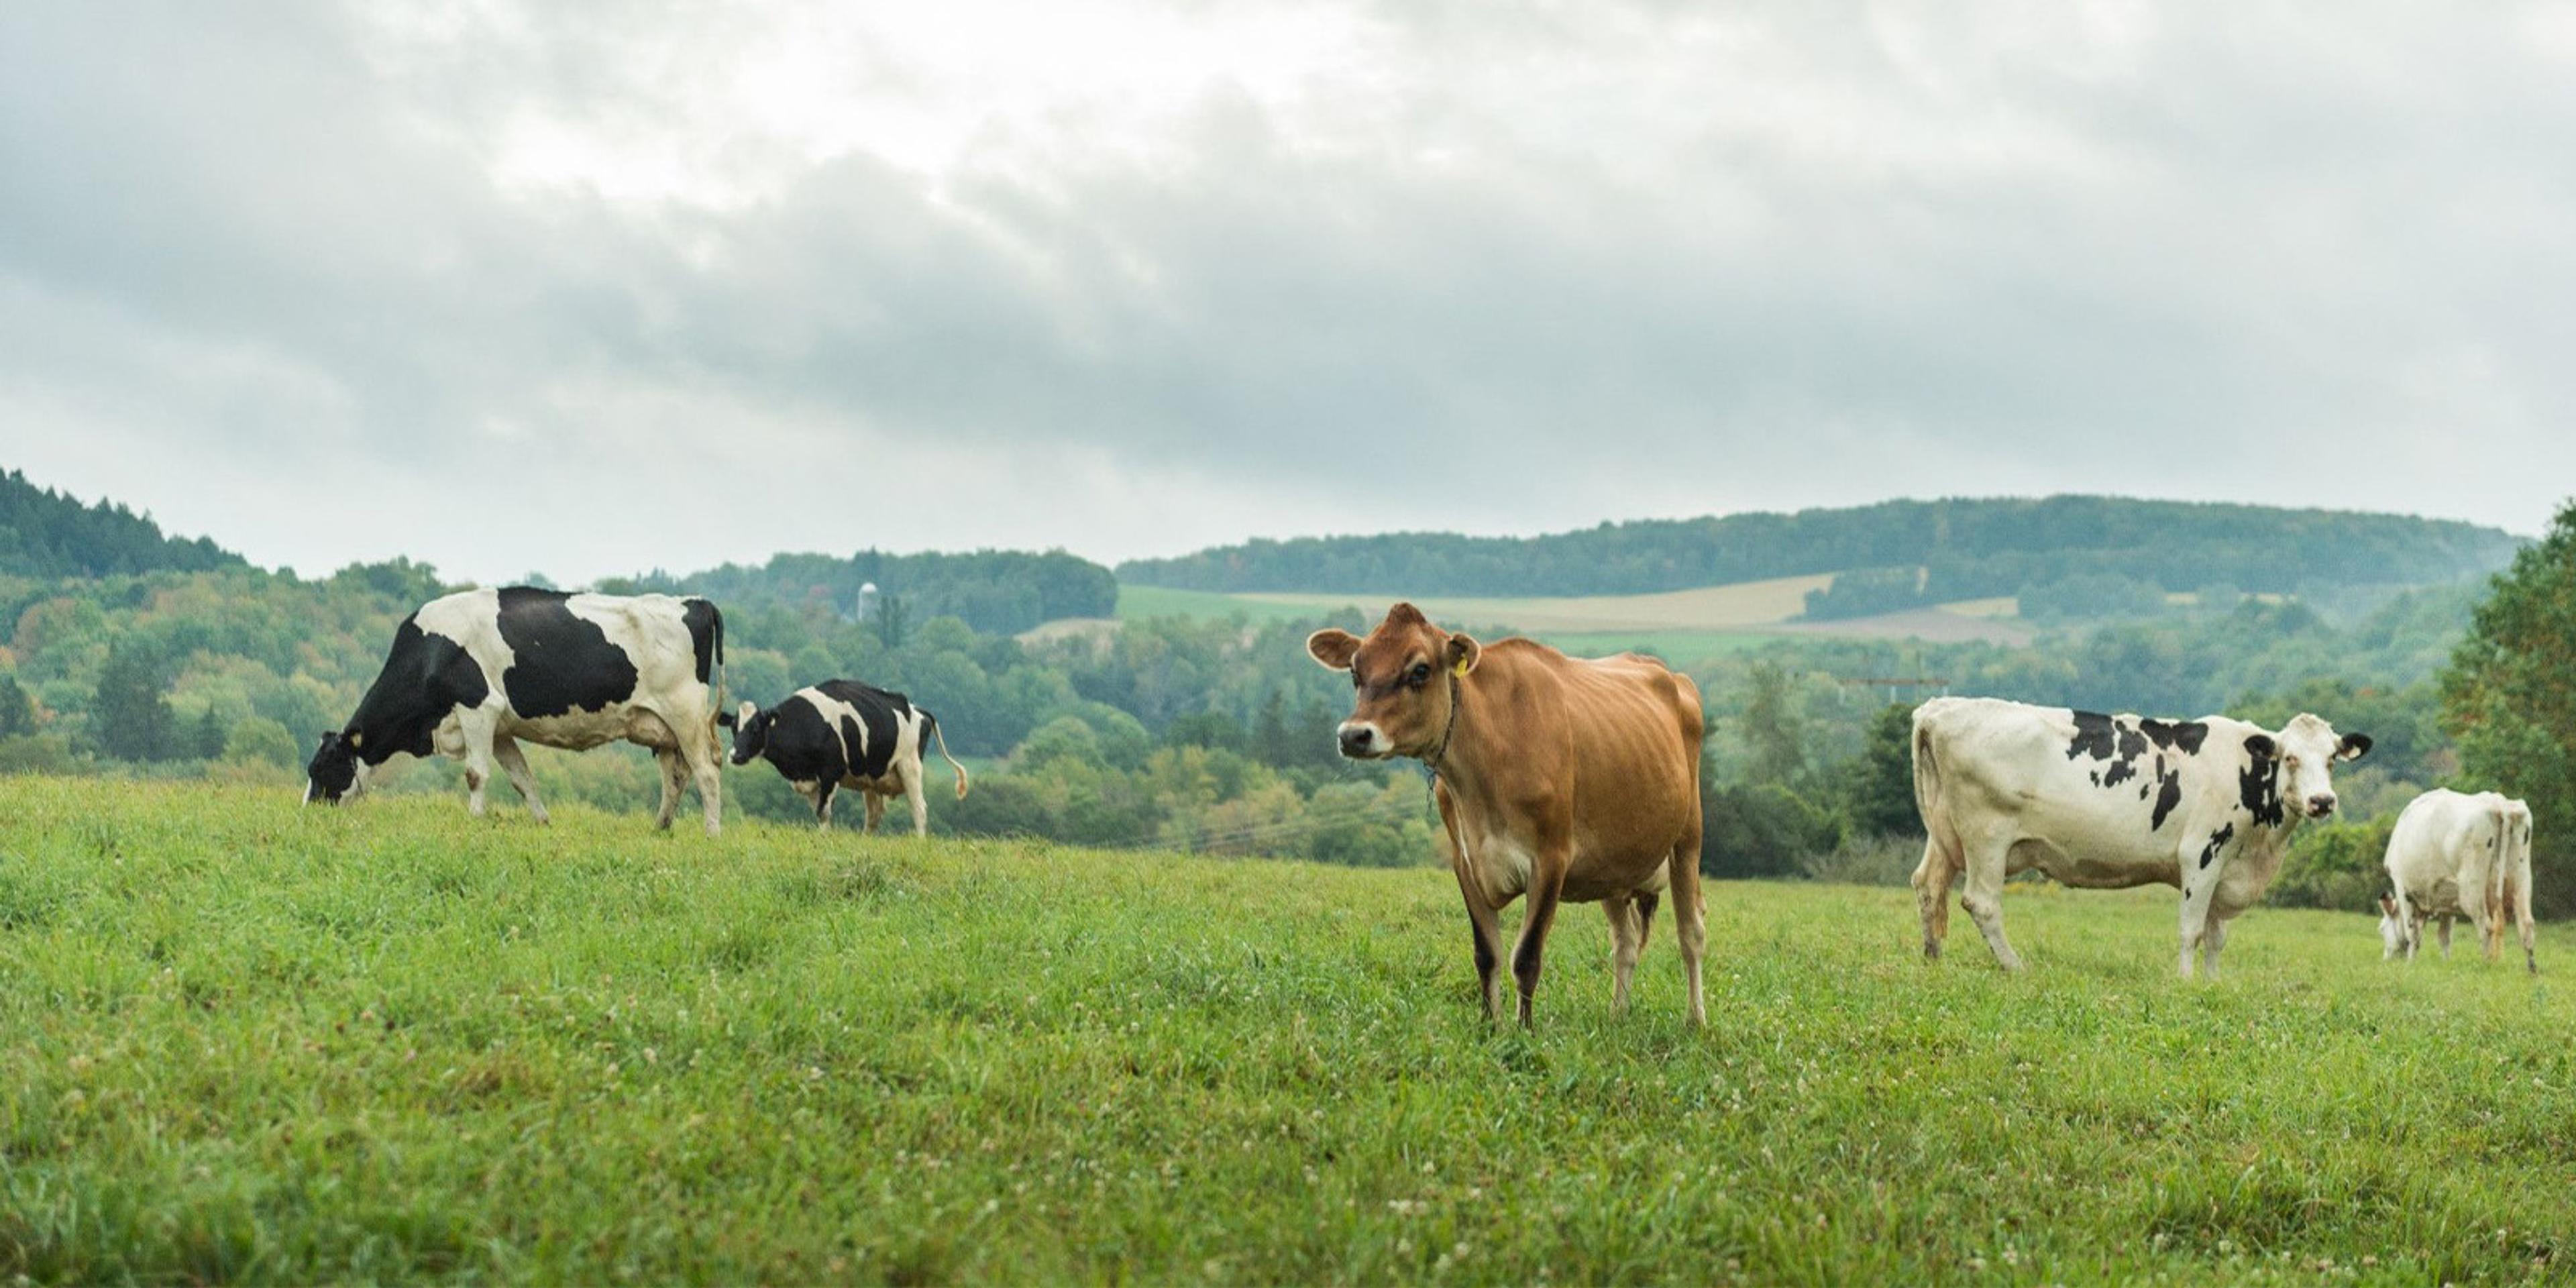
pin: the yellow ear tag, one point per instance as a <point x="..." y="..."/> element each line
<point x="1460" y="668"/>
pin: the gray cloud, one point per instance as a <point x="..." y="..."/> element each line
<point x="567" y="289"/>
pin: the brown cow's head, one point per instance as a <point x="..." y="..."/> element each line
<point x="1400" y="683"/>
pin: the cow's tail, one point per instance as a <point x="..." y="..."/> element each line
<point x="722" y="698"/>
<point x="1943" y="856"/>
<point x="930" y="724"/>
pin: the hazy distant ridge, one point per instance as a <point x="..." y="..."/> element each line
<point x="1971" y="547"/>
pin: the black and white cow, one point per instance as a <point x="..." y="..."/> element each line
<point x="474" y="673"/>
<point x="2107" y="802"/>
<point x="842" y="733"/>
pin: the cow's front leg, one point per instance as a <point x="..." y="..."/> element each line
<point x="476" y="729"/>
<point x="1529" y="956"/>
<point x="876" y="811"/>
<point x="1482" y="924"/>
<point x="514" y="762"/>
<point x="2204" y="865"/>
<point x="2210" y="944"/>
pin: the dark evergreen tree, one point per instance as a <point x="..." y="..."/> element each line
<point x="130" y="718"/>
<point x="17" y="710"/>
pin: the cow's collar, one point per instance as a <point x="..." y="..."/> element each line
<point x="1433" y="761"/>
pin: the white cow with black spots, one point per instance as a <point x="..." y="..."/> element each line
<point x="2108" y="802"/>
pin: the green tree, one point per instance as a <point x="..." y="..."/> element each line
<point x="892" y="620"/>
<point x="17" y="710"/>
<point x="130" y="716"/>
<point x="1878" y="784"/>
<point x="260" y="740"/>
<point x="1771" y="732"/>
<point x="2509" y="699"/>
<point x="206" y="738"/>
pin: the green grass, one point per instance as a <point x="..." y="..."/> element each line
<point x="240" y="1041"/>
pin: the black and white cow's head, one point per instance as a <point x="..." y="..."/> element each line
<point x="2293" y="771"/>
<point x="334" y="771"/>
<point x="750" y="731"/>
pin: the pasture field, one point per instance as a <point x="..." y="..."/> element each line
<point x="243" y="1042"/>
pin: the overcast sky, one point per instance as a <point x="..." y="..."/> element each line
<point x="593" y="288"/>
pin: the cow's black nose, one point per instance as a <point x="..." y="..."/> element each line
<point x="1355" y="742"/>
<point x="2320" y="806"/>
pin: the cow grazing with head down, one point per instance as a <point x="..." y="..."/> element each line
<point x="842" y="733"/>
<point x="2456" y="855"/>
<point x="2107" y="802"/>
<point x="473" y="674"/>
<point x="1564" y="779"/>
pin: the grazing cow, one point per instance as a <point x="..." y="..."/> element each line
<point x="2456" y="855"/>
<point x="2108" y="802"/>
<point x="842" y="733"/>
<point x="1561" y="778"/>
<point x="474" y="673"/>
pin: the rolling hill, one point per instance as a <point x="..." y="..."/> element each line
<point x="1961" y="549"/>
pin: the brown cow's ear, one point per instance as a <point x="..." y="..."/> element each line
<point x="2354" y="747"/>
<point x="1463" y="652"/>
<point x="1333" y="647"/>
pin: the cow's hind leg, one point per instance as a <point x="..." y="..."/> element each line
<point x="515" y="763"/>
<point x="1933" y="878"/>
<point x="2443" y="933"/>
<point x="876" y="810"/>
<point x="706" y="766"/>
<point x="667" y="759"/>
<point x="2210" y="942"/>
<point x="1690" y="917"/>
<point x="920" y="807"/>
<point x="1983" y="897"/>
<point x="2516" y="904"/>
<point x="1627" y="938"/>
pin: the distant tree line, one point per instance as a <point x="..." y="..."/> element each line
<point x="44" y="533"/>
<point x="1002" y="592"/>
<point x="1963" y="549"/>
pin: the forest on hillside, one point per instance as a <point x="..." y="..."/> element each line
<point x="1922" y="552"/>
<point x="45" y="533"/>
<point x="1001" y="592"/>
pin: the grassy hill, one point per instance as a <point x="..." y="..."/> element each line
<point x="243" y="1041"/>
<point x="1935" y="551"/>
<point x="1685" y="626"/>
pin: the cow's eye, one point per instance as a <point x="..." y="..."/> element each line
<point x="1421" y="674"/>
<point x="2292" y="762"/>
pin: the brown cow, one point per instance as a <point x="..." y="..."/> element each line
<point x="1560" y="778"/>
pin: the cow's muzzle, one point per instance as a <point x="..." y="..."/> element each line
<point x="1361" y="740"/>
<point x="2320" y="806"/>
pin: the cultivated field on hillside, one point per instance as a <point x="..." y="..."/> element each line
<point x="239" y="1041"/>
<point x="1682" y="625"/>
